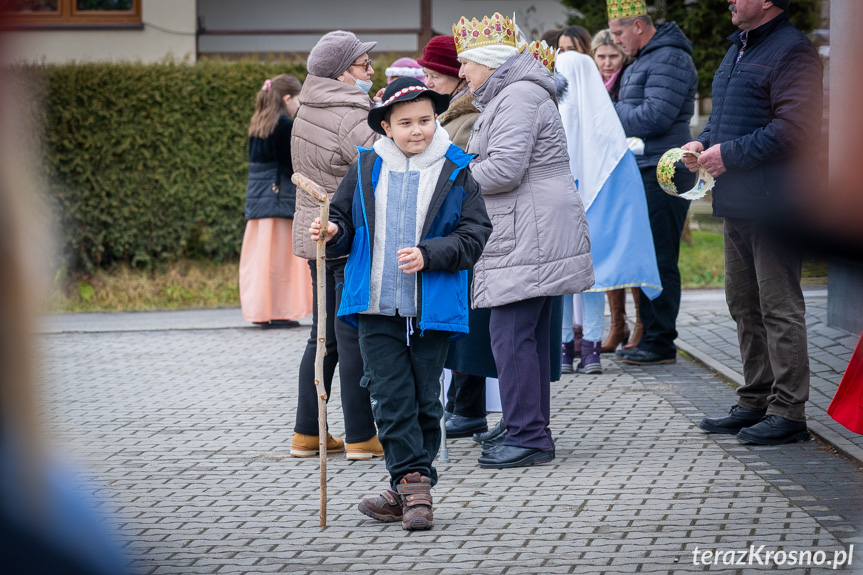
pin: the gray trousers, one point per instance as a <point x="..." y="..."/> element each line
<point x="762" y="288"/>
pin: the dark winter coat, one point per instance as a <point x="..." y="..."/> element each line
<point x="766" y="108"/>
<point x="270" y="163"/>
<point x="455" y="232"/>
<point x="657" y="94"/>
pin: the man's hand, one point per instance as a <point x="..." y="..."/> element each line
<point x="712" y="161"/>
<point x="411" y="260"/>
<point x="690" y="160"/>
<point x="315" y="230"/>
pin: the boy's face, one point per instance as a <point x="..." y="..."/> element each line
<point x="411" y="126"/>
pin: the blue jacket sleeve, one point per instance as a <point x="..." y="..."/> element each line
<point x="461" y="249"/>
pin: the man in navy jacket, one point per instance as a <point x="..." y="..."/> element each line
<point x="655" y="104"/>
<point x="767" y="103"/>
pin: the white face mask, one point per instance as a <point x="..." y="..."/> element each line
<point x="364" y="85"/>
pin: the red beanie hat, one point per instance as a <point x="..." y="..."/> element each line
<point x="440" y="55"/>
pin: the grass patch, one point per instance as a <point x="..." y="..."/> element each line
<point x="703" y="263"/>
<point x="181" y="285"/>
<point x="200" y="284"/>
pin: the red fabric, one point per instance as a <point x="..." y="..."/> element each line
<point x="440" y="55"/>
<point x="847" y="404"/>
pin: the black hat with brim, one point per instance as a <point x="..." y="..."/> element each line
<point x="404" y="90"/>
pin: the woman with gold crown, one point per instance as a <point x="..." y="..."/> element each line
<point x="540" y="246"/>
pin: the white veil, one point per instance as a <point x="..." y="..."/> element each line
<point x="594" y="136"/>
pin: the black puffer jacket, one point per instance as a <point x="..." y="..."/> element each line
<point x="766" y="110"/>
<point x="657" y="94"/>
<point x="270" y="163"/>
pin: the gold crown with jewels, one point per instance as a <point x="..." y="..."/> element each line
<point x="543" y="53"/>
<point x="490" y="31"/>
<point x="626" y="9"/>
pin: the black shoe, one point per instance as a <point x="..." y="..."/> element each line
<point x="642" y="357"/>
<point x="497" y="430"/>
<point x="624" y="352"/>
<point x="277" y="324"/>
<point x="737" y="418"/>
<point x="493" y="443"/>
<point x="507" y="456"/>
<point x="774" y="430"/>
<point x="461" y="426"/>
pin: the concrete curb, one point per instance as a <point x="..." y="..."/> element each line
<point x="820" y="430"/>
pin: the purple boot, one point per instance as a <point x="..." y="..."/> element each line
<point x="590" y="362"/>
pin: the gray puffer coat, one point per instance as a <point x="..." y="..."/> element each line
<point x="539" y="244"/>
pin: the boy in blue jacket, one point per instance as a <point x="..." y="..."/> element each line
<point x="412" y="221"/>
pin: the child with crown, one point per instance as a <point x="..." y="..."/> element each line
<point x="539" y="247"/>
<point x="411" y="220"/>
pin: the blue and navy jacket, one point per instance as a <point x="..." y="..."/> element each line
<point x="657" y="94"/>
<point x="766" y="115"/>
<point x="454" y="235"/>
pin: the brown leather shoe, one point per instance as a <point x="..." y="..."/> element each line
<point x="638" y="330"/>
<point x="385" y="507"/>
<point x="416" y="502"/>
<point x="618" y="332"/>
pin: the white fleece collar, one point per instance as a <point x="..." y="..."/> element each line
<point x="397" y="161"/>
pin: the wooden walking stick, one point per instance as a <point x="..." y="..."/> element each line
<point x="320" y="195"/>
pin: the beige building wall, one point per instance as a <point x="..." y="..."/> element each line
<point x="177" y="18"/>
<point x="537" y="15"/>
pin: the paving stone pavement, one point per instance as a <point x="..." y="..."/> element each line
<point x="182" y="422"/>
<point x="707" y="332"/>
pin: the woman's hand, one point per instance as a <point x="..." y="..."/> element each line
<point x="411" y="260"/>
<point x="315" y="230"/>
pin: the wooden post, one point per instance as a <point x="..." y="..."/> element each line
<point x="319" y="194"/>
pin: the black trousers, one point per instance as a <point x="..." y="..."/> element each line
<point x="342" y="349"/>
<point x="667" y="215"/>
<point x="404" y="382"/>
<point x="466" y="395"/>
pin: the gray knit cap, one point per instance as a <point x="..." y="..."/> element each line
<point x="335" y="52"/>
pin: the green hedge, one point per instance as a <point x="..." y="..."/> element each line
<point x="148" y="162"/>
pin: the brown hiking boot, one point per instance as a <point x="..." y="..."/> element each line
<point x="307" y="445"/>
<point x="365" y="449"/>
<point x="416" y="502"/>
<point x="385" y="507"/>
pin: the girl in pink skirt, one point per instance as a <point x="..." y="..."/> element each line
<point x="274" y="286"/>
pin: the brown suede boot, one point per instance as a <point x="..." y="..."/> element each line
<point x="638" y="330"/>
<point x="416" y="502"/>
<point x="577" y="337"/>
<point x="385" y="507"/>
<point x="619" y="331"/>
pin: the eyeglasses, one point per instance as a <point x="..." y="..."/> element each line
<point x="367" y="65"/>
